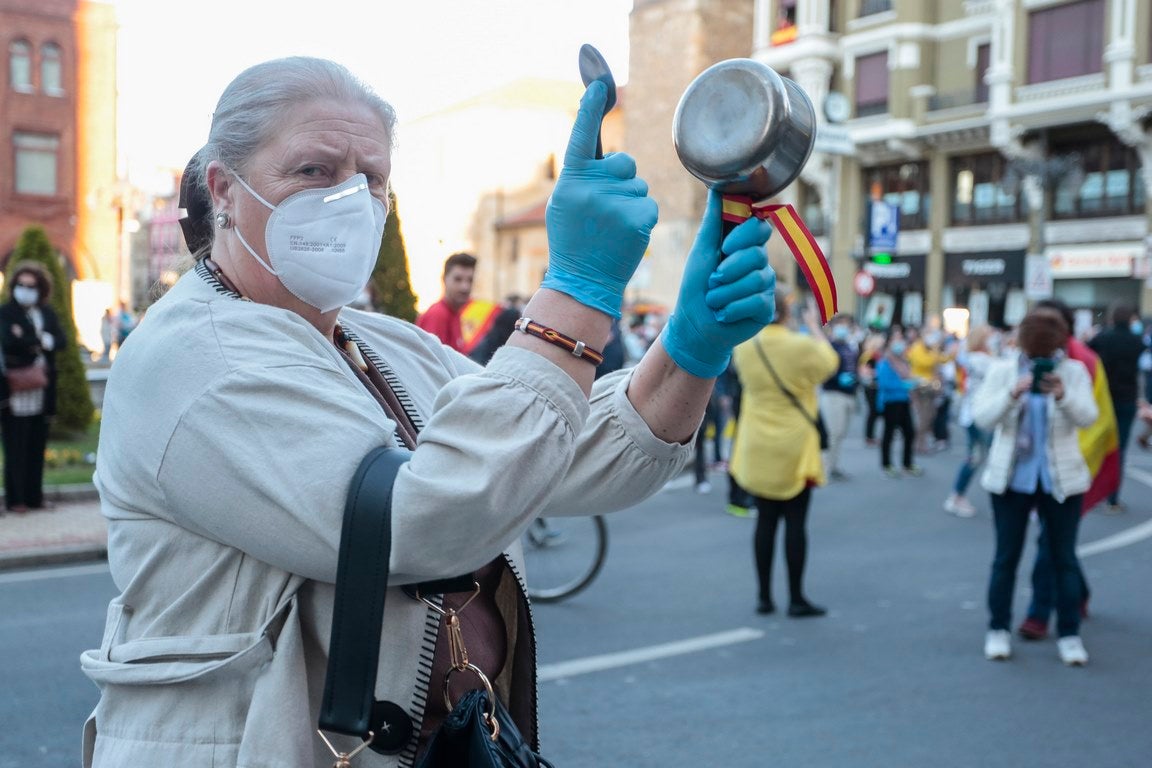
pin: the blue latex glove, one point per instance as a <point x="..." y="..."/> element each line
<point x="599" y="217"/>
<point x="721" y="303"/>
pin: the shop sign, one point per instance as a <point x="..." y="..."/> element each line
<point x="904" y="271"/>
<point x="980" y="268"/>
<point x="1094" y="261"/>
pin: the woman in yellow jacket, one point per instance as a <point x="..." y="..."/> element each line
<point x="776" y="457"/>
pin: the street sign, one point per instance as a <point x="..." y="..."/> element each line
<point x="864" y="283"/>
<point x="883" y="226"/>
<point x="833" y="140"/>
<point x="1037" y="276"/>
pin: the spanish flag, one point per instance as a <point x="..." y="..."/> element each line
<point x="475" y="321"/>
<point x="804" y="249"/>
<point x="1100" y="443"/>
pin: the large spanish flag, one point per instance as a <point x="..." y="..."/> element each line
<point x="737" y="208"/>
<point x="1100" y="443"/>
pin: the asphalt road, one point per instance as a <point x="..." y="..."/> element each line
<point x="673" y="667"/>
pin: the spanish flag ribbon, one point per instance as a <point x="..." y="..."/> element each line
<point x="788" y="223"/>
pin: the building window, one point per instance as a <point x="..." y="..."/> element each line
<point x="983" y="58"/>
<point x="870" y="7"/>
<point x="905" y="186"/>
<point x="872" y="84"/>
<point x="36" y="160"/>
<point x="20" y="66"/>
<point x="980" y="192"/>
<point x="1065" y="41"/>
<point x="50" y="70"/>
<point x="1107" y="182"/>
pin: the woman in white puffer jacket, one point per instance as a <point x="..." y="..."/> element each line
<point x="1035" y="463"/>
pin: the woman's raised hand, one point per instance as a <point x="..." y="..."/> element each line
<point x="599" y="217"/>
<point x="722" y="303"/>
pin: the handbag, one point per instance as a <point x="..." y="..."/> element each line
<point x="817" y="422"/>
<point x="478" y="731"/>
<point x="33" y="376"/>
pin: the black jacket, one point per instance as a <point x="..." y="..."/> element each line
<point x="1119" y="350"/>
<point x="21" y="345"/>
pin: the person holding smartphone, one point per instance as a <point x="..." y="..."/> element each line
<point x="1035" y="401"/>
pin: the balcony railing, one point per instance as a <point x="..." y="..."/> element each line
<point x="956" y="99"/>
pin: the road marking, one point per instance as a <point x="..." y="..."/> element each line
<point x="53" y="573"/>
<point x="600" y="663"/>
<point x="1124" y="538"/>
<point x="1115" y="541"/>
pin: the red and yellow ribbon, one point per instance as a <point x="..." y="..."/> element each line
<point x="807" y="253"/>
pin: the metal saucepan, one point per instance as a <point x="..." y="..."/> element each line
<point x="743" y="129"/>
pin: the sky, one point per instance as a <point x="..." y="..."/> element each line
<point x="421" y="55"/>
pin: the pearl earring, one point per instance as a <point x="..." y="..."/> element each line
<point x="223" y="220"/>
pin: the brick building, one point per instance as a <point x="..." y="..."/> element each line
<point x="58" y="131"/>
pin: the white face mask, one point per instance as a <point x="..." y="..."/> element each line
<point x="323" y="243"/>
<point x="25" y="296"/>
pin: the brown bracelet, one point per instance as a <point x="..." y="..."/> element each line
<point x="553" y="336"/>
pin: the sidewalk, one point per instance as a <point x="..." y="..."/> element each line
<point x="73" y="530"/>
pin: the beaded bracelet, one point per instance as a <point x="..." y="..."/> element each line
<point x="552" y="336"/>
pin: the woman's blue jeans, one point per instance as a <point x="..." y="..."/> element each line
<point x="978" y="444"/>
<point x="1061" y="522"/>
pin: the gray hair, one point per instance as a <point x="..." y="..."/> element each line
<point x="249" y="111"/>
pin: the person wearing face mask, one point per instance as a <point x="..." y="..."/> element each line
<point x="1036" y="402"/>
<point x="235" y="421"/>
<point x="31" y="336"/>
<point x="894" y="384"/>
<point x="974" y="361"/>
<point x="838" y="394"/>
<point x="1119" y="348"/>
<point x="926" y="355"/>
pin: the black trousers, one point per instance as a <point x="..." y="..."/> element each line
<point x="794" y="512"/>
<point x="24" y="440"/>
<point x="873" y="415"/>
<point x="897" y="416"/>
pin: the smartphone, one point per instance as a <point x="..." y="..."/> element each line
<point x="1040" y="366"/>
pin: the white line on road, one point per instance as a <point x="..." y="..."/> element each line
<point x="1115" y="541"/>
<point x="650" y="653"/>
<point x="53" y="573"/>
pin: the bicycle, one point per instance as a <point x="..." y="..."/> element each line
<point x="563" y="555"/>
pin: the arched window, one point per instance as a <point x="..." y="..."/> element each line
<point x="50" y="70"/>
<point x="20" y="65"/>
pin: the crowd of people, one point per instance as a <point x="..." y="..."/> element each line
<point x="1045" y="417"/>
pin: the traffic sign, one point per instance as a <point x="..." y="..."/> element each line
<point x="864" y="283"/>
<point x="883" y="226"/>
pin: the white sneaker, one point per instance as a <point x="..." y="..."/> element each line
<point x="704" y="487"/>
<point x="959" y="506"/>
<point x="1072" y="651"/>
<point x="998" y="645"/>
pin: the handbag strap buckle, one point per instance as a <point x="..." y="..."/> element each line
<point x="490" y="715"/>
<point x="344" y="759"/>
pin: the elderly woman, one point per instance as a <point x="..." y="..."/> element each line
<point x="31" y="335"/>
<point x="240" y="408"/>
<point x="1036" y="401"/>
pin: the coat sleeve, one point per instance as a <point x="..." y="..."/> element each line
<point x="992" y="403"/>
<point x="1078" y="402"/>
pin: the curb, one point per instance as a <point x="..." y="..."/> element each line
<point x="76" y="492"/>
<point x="82" y="553"/>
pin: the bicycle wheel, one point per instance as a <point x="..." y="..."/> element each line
<point x="562" y="555"/>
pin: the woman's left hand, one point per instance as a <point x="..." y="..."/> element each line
<point x="722" y="303"/>
<point x="1052" y="384"/>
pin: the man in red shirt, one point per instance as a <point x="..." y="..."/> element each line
<point x="442" y="319"/>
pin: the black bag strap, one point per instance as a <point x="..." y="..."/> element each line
<point x="349" y="705"/>
<point x="361" y="585"/>
<point x="787" y="393"/>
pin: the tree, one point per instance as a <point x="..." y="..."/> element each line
<point x="74" y="410"/>
<point x="391" y="285"/>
